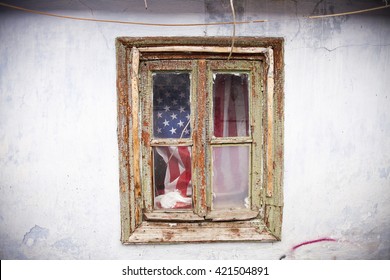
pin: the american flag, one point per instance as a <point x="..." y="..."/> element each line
<point x="231" y="113"/>
<point x="171" y="119"/>
<point x="171" y="105"/>
<point x="171" y="116"/>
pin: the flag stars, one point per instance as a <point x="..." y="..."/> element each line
<point x="176" y="87"/>
<point x="171" y="106"/>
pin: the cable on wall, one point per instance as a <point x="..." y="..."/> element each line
<point x="350" y="13"/>
<point x="126" y="22"/>
<point x="182" y="24"/>
<point x="234" y="28"/>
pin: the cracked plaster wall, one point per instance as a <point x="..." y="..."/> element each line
<point x="58" y="149"/>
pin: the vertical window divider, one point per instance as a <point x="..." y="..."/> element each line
<point x="199" y="139"/>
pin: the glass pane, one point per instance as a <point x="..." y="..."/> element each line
<point x="171" y="105"/>
<point x="230" y="177"/>
<point x="230" y="105"/>
<point x="172" y="177"/>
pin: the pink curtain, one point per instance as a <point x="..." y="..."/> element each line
<point x="231" y="119"/>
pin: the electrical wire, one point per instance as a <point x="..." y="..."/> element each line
<point x="234" y="28"/>
<point x="180" y="24"/>
<point x="126" y="22"/>
<point x="350" y="13"/>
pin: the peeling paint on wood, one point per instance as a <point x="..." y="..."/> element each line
<point x="232" y="215"/>
<point x="270" y="122"/>
<point x="200" y="232"/>
<point x="257" y="135"/>
<point x="199" y="135"/>
<point x="266" y="132"/>
<point x="135" y="156"/>
<point x="250" y="50"/>
<point x="172" y="216"/>
<point x="123" y="143"/>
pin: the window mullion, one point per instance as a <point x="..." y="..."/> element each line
<point x="199" y="106"/>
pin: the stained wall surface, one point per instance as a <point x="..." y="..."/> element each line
<point x="59" y="174"/>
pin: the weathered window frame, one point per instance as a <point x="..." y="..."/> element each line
<point x="141" y="226"/>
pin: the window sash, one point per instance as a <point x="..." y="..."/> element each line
<point x="254" y="71"/>
<point x="201" y="140"/>
<point x="148" y="139"/>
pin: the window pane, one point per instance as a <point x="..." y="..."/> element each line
<point x="172" y="177"/>
<point x="171" y="105"/>
<point x="230" y="177"/>
<point x="230" y="102"/>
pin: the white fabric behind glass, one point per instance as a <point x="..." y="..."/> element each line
<point x="230" y="177"/>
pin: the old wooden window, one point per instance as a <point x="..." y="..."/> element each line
<point x="200" y="139"/>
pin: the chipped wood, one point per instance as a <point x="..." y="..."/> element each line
<point x="199" y="137"/>
<point x="200" y="232"/>
<point x="208" y="49"/>
<point x="169" y="65"/>
<point x="199" y="41"/>
<point x="196" y="56"/>
<point x="135" y="132"/>
<point x="135" y="117"/>
<point x="274" y="204"/>
<point x="257" y="134"/>
<point x="123" y="140"/>
<point x="232" y="215"/>
<point x="146" y="135"/>
<point x="230" y="140"/>
<point x="273" y="220"/>
<point x="270" y="122"/>
<point x="171" y="142"/>
<point x="172" y="216"/>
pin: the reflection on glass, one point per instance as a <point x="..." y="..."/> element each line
<point x="230" y="177"/>
<point x="172" y="177"/>
<point x="171" y="105"/>
<point x="230" y="105"/>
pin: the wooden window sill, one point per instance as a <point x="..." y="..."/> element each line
<point x="158" y="232"/>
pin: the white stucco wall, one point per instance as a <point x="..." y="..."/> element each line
<point x="59" y="193"/>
